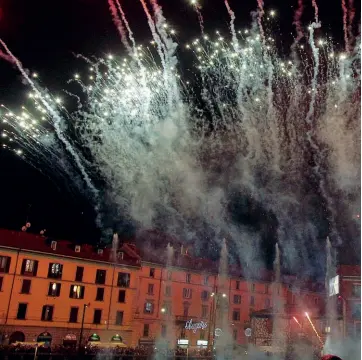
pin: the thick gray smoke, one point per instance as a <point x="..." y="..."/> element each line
<point x="250" y="133"/>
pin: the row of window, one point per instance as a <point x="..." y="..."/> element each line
<point x="76" y="291"/>
<point x="29" y="267"/>
<point x="48" y="312"/>
<point x="55" y="270"/>
<point x="206" y="281"/>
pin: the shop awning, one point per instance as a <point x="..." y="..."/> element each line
<point x="116" y="338"/>
<point x="94" y="337"/>
<point x="70" y="339"/>
<point x="44" y="337"/>
<point x="106" y="344"/>
<point x="28" y="343"/>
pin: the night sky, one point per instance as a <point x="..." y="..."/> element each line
<point x="45" y="35"/>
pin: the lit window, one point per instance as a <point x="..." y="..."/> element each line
<point x="148" y="307"/>
<point x="47" y="313"/>
<point x="29" y="265"/>
<point x="54" y="289"/>
<point x="5" y="264"/>
<point x="76" y="292"/>
<point x="124" y="279"/>
<point x="55" y="270"/>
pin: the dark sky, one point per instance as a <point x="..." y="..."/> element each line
<point x="44" y="35"/>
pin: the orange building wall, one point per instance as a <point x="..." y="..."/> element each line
<point x="134" y="318"/>
<point x="38" y="296"/>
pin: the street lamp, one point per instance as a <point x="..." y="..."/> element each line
<point x="216" y="298"/>
<point x="344" y="314"/>
<point x="82" y="326"/>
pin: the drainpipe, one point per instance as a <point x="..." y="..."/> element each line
<point x="12" y="287"/>
<point x="110" y="300"/>
<point x="159" y="295"/>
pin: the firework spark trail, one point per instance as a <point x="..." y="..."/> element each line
<point x="314" y="329"/>
<point x="232" y="25"/>
<point x="119" y="25"/>
<point x="345" y="25"/>
<point x="309" y="133"/>
<point x="260" y="16"/>
<point x="352" y="13"/>
<point x="125" y="21"/>
<point x="6" y="57"/>
<point x="170" y="58"/>
<point x="316" y="11"/>
<point x="56" y="122"/>
<point x="200" y="18"/>
<point x="297" y="22"/>
<point x="156" y="37"/>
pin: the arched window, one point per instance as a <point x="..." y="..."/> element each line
<point x="16" y="336"/>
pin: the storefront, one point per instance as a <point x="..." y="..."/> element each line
<point x="45" y="337"/>
<point x="202" y="344"/>
<point x="70" y="340"/>
<point x="194" y="333"/>
<point x="146" y="342"/>
<point x="116" y="338"/>
<point x="183" y="343"/>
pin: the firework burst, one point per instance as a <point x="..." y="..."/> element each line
<point x="173" y="151"/>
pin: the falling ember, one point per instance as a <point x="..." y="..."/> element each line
<point x="296" y="320"/>
<point x="314" y="329"/>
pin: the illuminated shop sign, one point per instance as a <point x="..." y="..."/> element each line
<point x="334" y="286"/>
<point x="195" y="326"/>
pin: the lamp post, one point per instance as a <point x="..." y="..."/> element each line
<point x="344" y="314"/>
<point x="215" y="305"/>
<point x="82" y="326"/>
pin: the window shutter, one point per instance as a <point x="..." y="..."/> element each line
<point x="58" y="289"/>
<point x="7" y="266"/>
<point x="23" y="266"/>
<point x="51" y="308"/>
<point x="82" y="292"/>
<point x="35" y="270"/>
<point x="71" y="291"/>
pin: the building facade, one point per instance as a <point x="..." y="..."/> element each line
<point x="58" y="290"/>
<point x="349" y="299"/>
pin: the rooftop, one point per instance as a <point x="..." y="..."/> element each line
<point x="129" y="254"/>
<point x="38" y="243"/>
